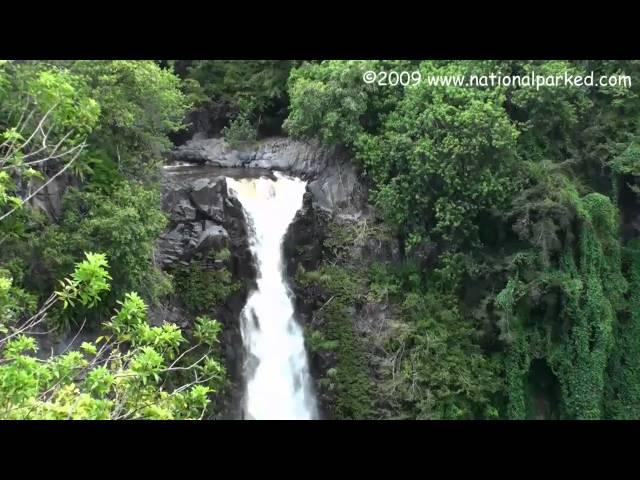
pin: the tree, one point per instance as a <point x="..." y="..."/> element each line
<point x="45" y="117"/>
<point x="141" y="104"/>
<point x="123" y="223"/>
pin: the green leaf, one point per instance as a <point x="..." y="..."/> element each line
<point x="31" y="173"/>
<point x="89" y="348"/>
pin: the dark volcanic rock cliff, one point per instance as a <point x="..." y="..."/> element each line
<point x="204" y="219"/>
<point x="203" y="216"/>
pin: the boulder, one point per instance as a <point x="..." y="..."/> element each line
<point x="208" y="197"/>
<point x="212" y="237"/>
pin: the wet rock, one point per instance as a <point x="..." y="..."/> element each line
<point x="205" y="218"/>
<point x="303" y="242"/>
<point x="236" y="225"/>
<point x="208" y="196"/>
<point x="251" y="365"/>
<point x="212" y="237"/>
<point x="193" y="239"/>
<point x="324" y="360"/>
<point x="254" y="319"/>
<point x="57" y="343"/>
<point x="333" y="181"/>
<point x="338" y="189"/>
<point x="202" y="217"/>
<point x="171" y="245"/>
<point x="176" y="203"/>
<point x="304" y="159"/>
<point x="213" y="151"/>
<point x="183" y="211"/>
<point x="161" y="314"/>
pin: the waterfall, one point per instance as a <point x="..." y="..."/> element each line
<point x="278" y="384"/>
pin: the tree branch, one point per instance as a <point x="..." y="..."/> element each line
<point x="44" y="185"/>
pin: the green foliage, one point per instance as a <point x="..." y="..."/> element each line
<point x="44" y="121"/>
<point x="108" y="120"/>
<point x="106" y="124"/>
<point x="45" y="88"/>
<point x="58" y="90"/>
<point x="15" y="302"/>
<point x="327" y="99"/>
<point x="607" y="135"/>
<point x="578" y="342"/>
<point x="317" y="342"/>
<point x="206" y="330"/>
<point x="258" y="81"/>
<point x="131" y="315"/>
<point x="464" y="169"/>
<point x="440" y="139"/>
<point x="548" y="116"/>
<point x="628" y="162"/>
<point x="239" y="131"/>
<point x="436" y="371"/>
<point x="422" y="151"/>
<point x="244" y="94"/>
<point x="427" y="362"/>
<point x="543" y="212"/>
<point x="348" y="383"/>
<point x="124" y="224"/>
<point x="129" y="373"/>
<point x="140" y="104"/>
<point x="593" y="307"/>
<point x="623" y="372"/>
<point x="88" y="281"/>
<point x="201" y="286"/>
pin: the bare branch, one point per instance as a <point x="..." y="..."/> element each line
<point x="34" y="320"/>
<point x="75" y="337"/>
<point x="38" y="127"/>
<point x="173" y="369"/>
<point x="52" y="156"/>
<point x="44" y="185"/>
<point x="183" y="354"/>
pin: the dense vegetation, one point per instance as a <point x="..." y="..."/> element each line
<point x="99" y="128"/>
<point x="243" y="99"/>
<point x="527" y="308"/>
<point x="516" y="295"/>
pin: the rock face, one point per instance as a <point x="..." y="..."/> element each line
<point x="200" y="196"/>
<point x="49" y="200"/>
<point x="202" y="216"/>
<point x="303" y="242"/>
<point x="333" y="181"/>
<point x="208" y="197"/>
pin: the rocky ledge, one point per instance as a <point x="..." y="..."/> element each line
<point x="203" y="216"/>
<point x="333" y="181"/>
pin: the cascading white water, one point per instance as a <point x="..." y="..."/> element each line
<point x="278" y="384"/>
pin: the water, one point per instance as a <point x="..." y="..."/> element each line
<point x="278" y="384"/>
